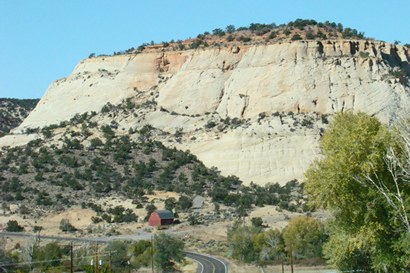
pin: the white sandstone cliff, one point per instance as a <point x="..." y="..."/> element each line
<point x="301" y="77"/>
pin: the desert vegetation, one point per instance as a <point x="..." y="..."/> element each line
<point x="84" y="166"/>
<point x="255" y="33"/>
<point x="13" y="111"/>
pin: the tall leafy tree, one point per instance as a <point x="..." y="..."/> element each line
<point x="364" y="234"/>
<point x="306" y="235"/>
<point x="230" y="29"/>
<point x="168" y="251"/>
<point x="242" y="242"/>
<point x="7" y="261"/>
<point x="274" y="248"/>
<point x="120" y="254"/>
<point x="398" y="170"/>
<point x="48" y="256"/>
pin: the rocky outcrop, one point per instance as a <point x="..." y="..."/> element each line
<point x="240" y="82"/>
<point x="301" y="76"/>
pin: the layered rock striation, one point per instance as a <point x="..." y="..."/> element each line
<point x="252" y="83"/>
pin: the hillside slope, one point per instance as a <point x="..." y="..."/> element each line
<point x="13" y="112"/>
<point x="79" y="162"/>
<point x="253" y="110"/>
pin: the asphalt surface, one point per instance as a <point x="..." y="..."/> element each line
<point x="57" y="238"/>
<point x="208" y="264"/>
<point x="139" y="235"/>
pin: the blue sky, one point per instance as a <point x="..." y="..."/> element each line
<point x="41" y="41"/>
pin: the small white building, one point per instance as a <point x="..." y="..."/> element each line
<point x="197" y="203"/>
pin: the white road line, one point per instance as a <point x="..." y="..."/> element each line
<point x="215" y="258"/>
<point x="201" y="264"/>
<point x="226" y="268"/>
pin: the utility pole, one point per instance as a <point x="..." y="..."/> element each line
<point x="96" y="260"/>
<point x="71" y="258"/>
<point x="291" y="258"/>
<point x="31" y="254"/>
<point x="110" y="263"/>
<point x="152" y="254"/>
<point x="39" y="237"/>
<point x="283" y="268"/>
<point x="18" y="264"/>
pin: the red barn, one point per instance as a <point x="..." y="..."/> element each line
<point x="161" y="218"/>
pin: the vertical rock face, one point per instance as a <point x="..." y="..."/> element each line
<point x="242" y="82"/>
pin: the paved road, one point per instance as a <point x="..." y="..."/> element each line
<point x="139" y="235"/>
<point x="208" y="264"/>
<point x="57" y="238"/>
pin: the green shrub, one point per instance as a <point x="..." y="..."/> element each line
<point x="210" y="124"/>
<point x="272" y="35"/>
<point x="230" y="29"/>
<point x="321" y="35"/>
<point x="66" y="226"/>
<point x="301" y="23"/>
<point x="24" y="209"/>
<point x="310" y="35"/>
<point x="307" y="123"/>
<point x="13" y="226"/>
<point x="296" y="37"/>
<point x="364" y="55"/>
<point x="257" y="221"/>
<point x="324" y="119"/>
<point x="181" y="46"/>
<point x="218" y="32"/>
<point x="107" y="108"/>
<point x="197" y="43"/>
<point x="96" y="142"/>
<point x="184" y="202"/>
<point x="244" y="39"/>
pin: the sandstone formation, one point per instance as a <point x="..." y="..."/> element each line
<point x="258" y="85"/>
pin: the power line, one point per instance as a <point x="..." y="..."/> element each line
<point x="55" y="260"/>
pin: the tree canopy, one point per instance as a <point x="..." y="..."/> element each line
<point x="365" y="233"/>
<point x="168" y="250"/>
<point x="306" y="236"/>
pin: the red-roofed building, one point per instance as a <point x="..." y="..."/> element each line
<point x="161" y="218"/>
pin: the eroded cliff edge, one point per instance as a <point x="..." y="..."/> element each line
<point x="190" y="88"/>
